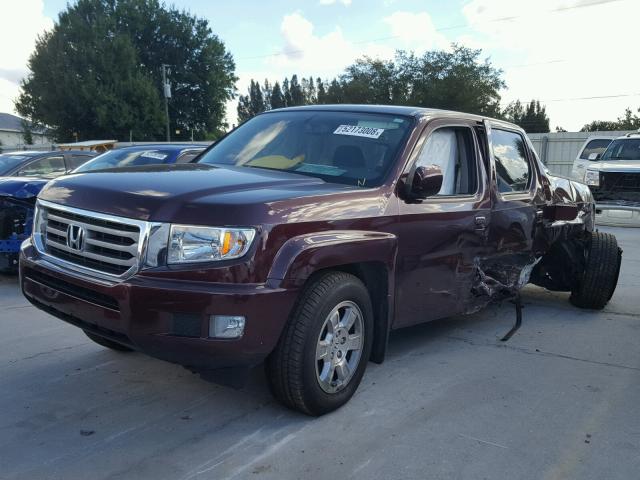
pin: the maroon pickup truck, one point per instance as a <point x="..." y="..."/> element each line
<point x="307" y="234"/>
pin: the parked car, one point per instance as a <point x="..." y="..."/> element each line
<point x="614" y="179"/>
<point x="18" y="194"/>
<point x="307" y="234"/>
<point x="589" y="152"/>
<point x="143" y="155"/>
<point x="48" y="164"/>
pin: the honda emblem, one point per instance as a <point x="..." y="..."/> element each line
<point x="75" y="237"/>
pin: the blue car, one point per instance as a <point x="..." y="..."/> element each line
<point x="18" y="192"/>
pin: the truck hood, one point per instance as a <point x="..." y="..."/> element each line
<point x="21" y="187"/>
<point x="205" y="194"/>
<point x="627" y="166"/>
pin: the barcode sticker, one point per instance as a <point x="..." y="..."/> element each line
<point x="356" y="131"/>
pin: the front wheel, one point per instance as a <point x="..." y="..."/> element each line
<point x="323" y="351"/>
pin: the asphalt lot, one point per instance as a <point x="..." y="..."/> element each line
<point x="560" y="400"/>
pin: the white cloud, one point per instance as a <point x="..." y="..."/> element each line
<point x="331" y="2"/>
<point x="567" y="53"/>
<point x="20" y="25"/>
<point x="416" y="31"/>
<point x="326" y="55"/>
<point x="308" y="54"/>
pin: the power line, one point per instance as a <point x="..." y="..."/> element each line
<point x="443" y="29"/>
<point x="592" y="98"/>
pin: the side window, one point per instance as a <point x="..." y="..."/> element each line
<point x="595" y="146"/>
<point x="74" y="161"/>
<point x="186" y="157"/>
<point x="452" y="149"/>
<point x="44" y="167"/>
<point x="512" y="167"/>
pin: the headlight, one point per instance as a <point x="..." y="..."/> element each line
<point x="592" y="178"/>
<point x="192" y="244"/>
<point x="38" y="233"/>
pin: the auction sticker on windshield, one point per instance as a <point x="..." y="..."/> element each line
<point x="154" y="155"/>
<point x="356" y="131"/>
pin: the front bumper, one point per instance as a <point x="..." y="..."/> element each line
<point x="167" y="319"/>
<point x="617" y="215"/>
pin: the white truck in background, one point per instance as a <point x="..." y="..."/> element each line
<point x="614" y="179"/>
<point x="589" y="153"/>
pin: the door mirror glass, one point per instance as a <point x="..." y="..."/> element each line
<point x="427" y="181"/>
<point x="594" y="156"/>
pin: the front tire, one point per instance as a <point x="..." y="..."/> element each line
<point x="325" y="346"/>
<point x="107" y="343"/>
<point x="601" y="270"/>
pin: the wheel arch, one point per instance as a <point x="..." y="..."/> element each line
<point x="369" y="256"/>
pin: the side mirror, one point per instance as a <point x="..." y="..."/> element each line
<point x="594" y="156"/>
<point x="426" y="182"/>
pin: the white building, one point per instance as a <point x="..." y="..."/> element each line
<point x="12" y="133"/>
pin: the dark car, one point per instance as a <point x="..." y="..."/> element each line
<point x="143" y="155"/>
<point x="42" y="164"/>
<point x="306" y="235"/>
<point x="18" y="192"/>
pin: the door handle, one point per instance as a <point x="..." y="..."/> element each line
<point x="481" y="222"/>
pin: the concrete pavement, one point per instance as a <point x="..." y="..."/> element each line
<point x="560" y="400"/>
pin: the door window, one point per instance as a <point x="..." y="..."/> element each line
<point x="44" y="167"/>
<point x="512" y="167"/>
<point x="75" y="161"/>
<point x="452" y="149"/>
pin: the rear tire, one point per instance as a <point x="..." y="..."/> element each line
<point x="325" y="346"/>
<point x="107" y="343"/>
<point x="603" y="257"/>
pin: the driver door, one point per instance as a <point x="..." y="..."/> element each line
<point x="441" y="237"/>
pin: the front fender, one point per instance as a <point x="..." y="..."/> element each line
<point x="21" y="187"/>
<point x="303" y="255"/>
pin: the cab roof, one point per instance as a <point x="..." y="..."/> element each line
<point x="406" y="111"/>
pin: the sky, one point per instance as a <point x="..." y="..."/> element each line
<point x="562" y="52"/>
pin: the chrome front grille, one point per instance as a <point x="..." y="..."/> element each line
<point x="92" y="241"/>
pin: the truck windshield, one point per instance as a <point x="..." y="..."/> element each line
<point x="339" y="147"/>
<point x="124" y="158"/>
<point x="623" y="149"/>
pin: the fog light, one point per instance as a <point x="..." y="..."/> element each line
<point x="226" y="326"/>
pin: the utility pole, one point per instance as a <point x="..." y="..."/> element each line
<point x="166" y="90"/>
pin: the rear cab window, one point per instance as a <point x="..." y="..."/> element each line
<point x="597" y="146"/>
<point x="513" y="169"/>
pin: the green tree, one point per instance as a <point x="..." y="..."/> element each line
<point x="98" y="72"/>
<point x="27" y="133"/>
<point x="277" y="98"/>
<point x="454" y="80"/>
<point x="628" y="121"/>
<point x="251" y="104"/>
<point x="321" y="96"/>
<point x="266" y="94"/>
<point x="297" y="95"/>
<point x="532" y="117"/>
<point x="287" y="93"/>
